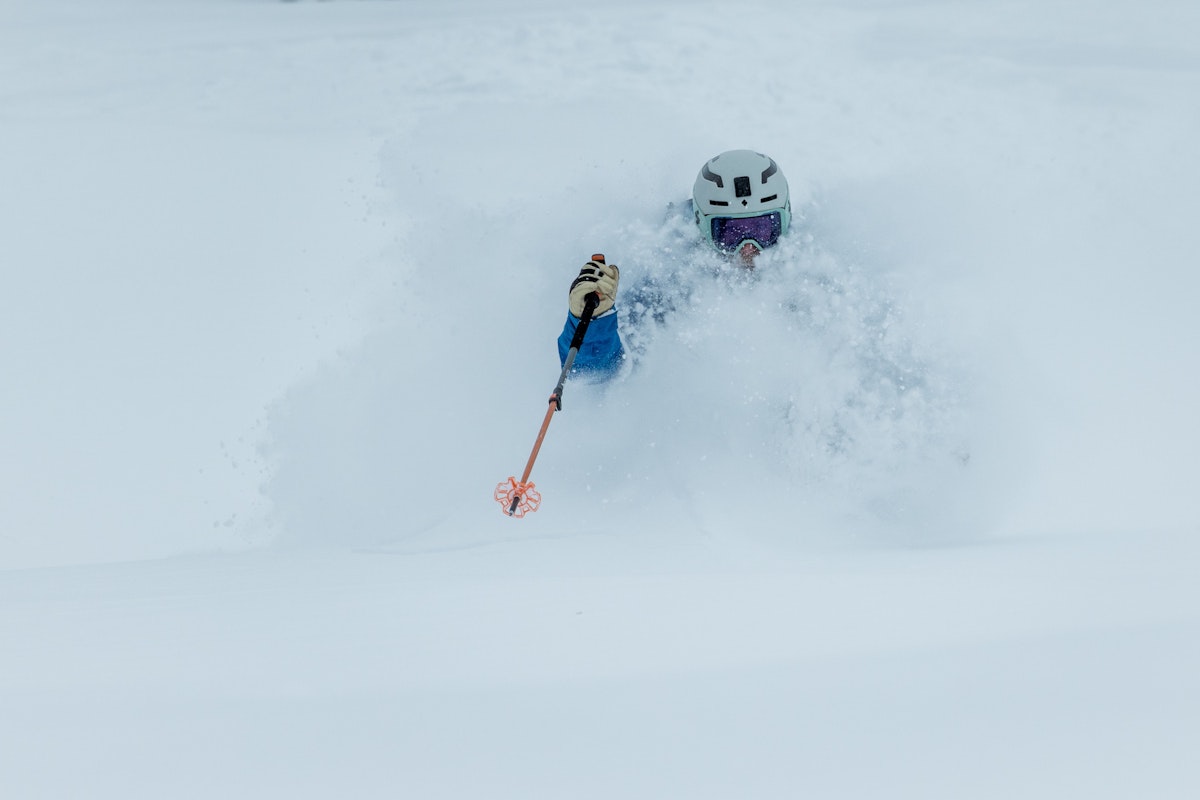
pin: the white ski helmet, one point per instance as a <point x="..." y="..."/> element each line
<point x="741" y="197"/>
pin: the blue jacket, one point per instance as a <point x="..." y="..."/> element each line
<point x="652" y="297"/>
<point x="601" y="354"/>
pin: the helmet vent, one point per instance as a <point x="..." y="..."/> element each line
<point x="717" y="203"/>
<point x="769" y="198"/>
<point x="741" y="187"/>
<point x="709" y="175"/>
<point x="769" y="171"/>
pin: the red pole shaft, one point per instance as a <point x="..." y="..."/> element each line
<point x="537" y="445"/>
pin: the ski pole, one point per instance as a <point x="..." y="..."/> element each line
<point x="517" y="498"/>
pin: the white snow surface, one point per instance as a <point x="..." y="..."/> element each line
<point x="910" y="512"/>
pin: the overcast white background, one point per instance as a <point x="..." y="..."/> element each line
<point x="281" y="283"/>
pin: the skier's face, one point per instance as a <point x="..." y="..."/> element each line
<point x="746" y="255"/>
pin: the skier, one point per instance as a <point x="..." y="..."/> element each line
<point x="741" y="205"/>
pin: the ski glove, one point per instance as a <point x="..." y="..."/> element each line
<point x="597" y="277"/>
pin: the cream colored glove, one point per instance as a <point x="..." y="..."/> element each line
<point x="597" y="277"/>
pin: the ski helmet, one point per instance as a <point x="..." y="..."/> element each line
<point x="741" y="197"/>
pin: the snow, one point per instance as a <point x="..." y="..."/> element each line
<point x="910" y="514"/>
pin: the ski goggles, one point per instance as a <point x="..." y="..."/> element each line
<point x="728" y="233"/>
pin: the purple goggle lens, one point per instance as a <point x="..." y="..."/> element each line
<point x="729" y="232"/>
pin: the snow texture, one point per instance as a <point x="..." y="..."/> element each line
<point x="910" y="511"/>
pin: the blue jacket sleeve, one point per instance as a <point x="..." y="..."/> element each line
<point x="601" y="353"/>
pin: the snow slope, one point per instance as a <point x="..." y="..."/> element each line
<point x="911" y="514"/>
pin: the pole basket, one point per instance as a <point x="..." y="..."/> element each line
<point x="517" y="499"/>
